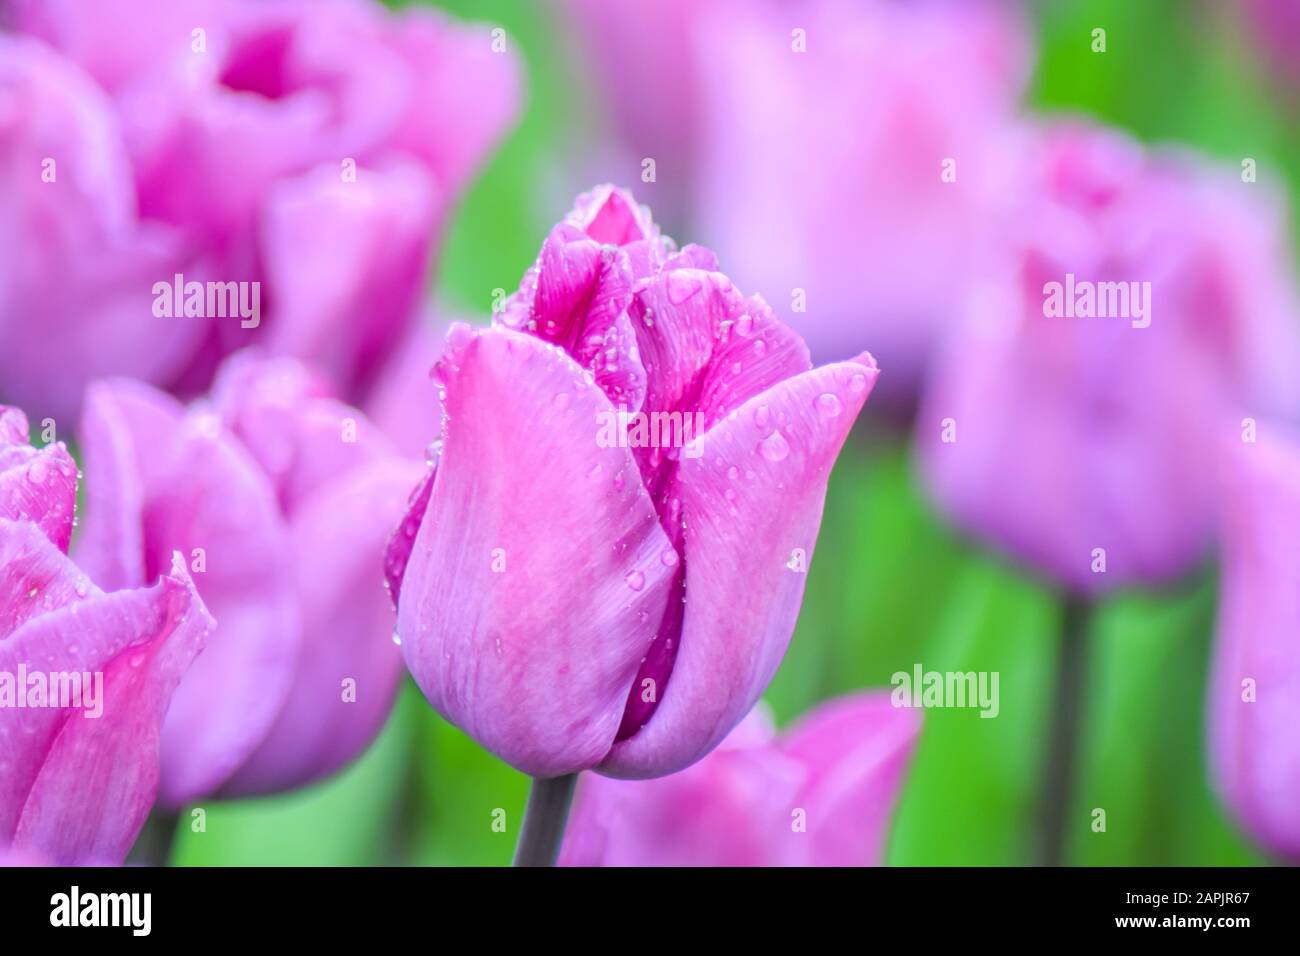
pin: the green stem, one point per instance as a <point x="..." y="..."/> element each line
<point x="548" y="811"/>
<point x="1062" y="761"/>
<point x="153" y="847"/>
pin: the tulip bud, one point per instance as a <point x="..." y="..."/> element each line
<point x="281" y="498"/>
<point x="643" y="447"/>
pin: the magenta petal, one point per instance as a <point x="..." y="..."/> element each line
<point x="338" y="250"/>
<point x="743" y="558"/>
<point x="856" y="751"/>
<point x="36" y="484"/>
<point x="1253" y="707"/>
<point x="78" y="787"/>
<point x="198" y="491"/>
<point x="534" y="660"/>
<point x="347" y="633"/>
<point x="286" y="418"/>
<point x="119" y="420"/>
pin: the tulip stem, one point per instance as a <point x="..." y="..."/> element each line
<point x="544" y="819"/>
<point x="1062" y="757"/>
<point x="153" y="847"/>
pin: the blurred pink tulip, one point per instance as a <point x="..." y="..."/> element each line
<point x="1255" y="692"/>
<point x="85" y="676"/>
<point x="282" y="499"/>
<point x="1087" y="445"/>
<point x="307" y="150"/>
<point x="852" y="159"/>
<point x="821" y="794"/>
<point x="572" y="599"/>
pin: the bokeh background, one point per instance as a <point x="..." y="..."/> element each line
<point x="892" y="584"/>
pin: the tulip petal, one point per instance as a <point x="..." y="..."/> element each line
<point x="204" y="495"/>
<point x="36" y="484"/>
<point x="535" y="660"/>
<point x="287" y="419"/>
<point x="337" y="250"/>
<point x="1254" y="707"/>
<point x="742" y="594"/>
<point x="80" y="786"/>
<point x="856" y="751"/>
<point x="347" y="633"/>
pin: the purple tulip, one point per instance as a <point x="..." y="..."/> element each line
<point x="578" y="595"/>
<point x="306" y="152"/>
<point x="852" y="159"/>
<point x="85" y="675"/>
<point x="1143" y="309"/>
<point x="281" y="498"/>
<point x="1255" y="692"/>
<point x="820" y="794"/>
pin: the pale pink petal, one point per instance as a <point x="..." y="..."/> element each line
<point x="743" y="558"/>
<point x="534" y="661"/>
<point x="79" y="786"/>
<point x="348" y="624"/>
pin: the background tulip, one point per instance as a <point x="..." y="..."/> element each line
<point x="872" y="204"/>
<point x="281" y="498"/>
<point x="820" y="794"/>
<point x="1057" y="436"/>
<point x="1254" y="704"/>
<point x="312" y="147"/>
<point x="575" y="606"/>
<point x="76" y="782"/>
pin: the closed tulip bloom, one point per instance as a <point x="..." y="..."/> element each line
<point x="820" y="794"/>
<point x="85" y="675"/>
<point x="1255" y="690"/>
<point x="1144" y="308"/>
<point x="852" y="157"/>
<point x="305" y="153"/>
<point x="281" y="498"/>
<point x="578" y="595"/>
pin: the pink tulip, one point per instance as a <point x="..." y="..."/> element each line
<point x="306" y="151"/>
<point x="821" y="794"/>
<point x="852" y="158"/>
<point x="1255" y="692"/>
<point x="574" y="600"/>
<point x="643" y="73"/>
<point x="85" y="675"/>
<point x="281" y="498"/>
<point x="1087" y="445"/>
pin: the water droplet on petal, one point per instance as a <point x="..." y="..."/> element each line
<point x="635" y="580"/>
<point x="561" y="400"/>
<point x="761" y="416"/>
<point x="829" y="405"/>
<point x="858" y="383"/>
<point x="760" y="347"/>
<point x="733" y="472"/>
<point x="36" y="472"/>
<point x="774" y="447"/>
<point x="745" y="324"/>
<point x="397" y="638"/>
<point x="668" y="558"/>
